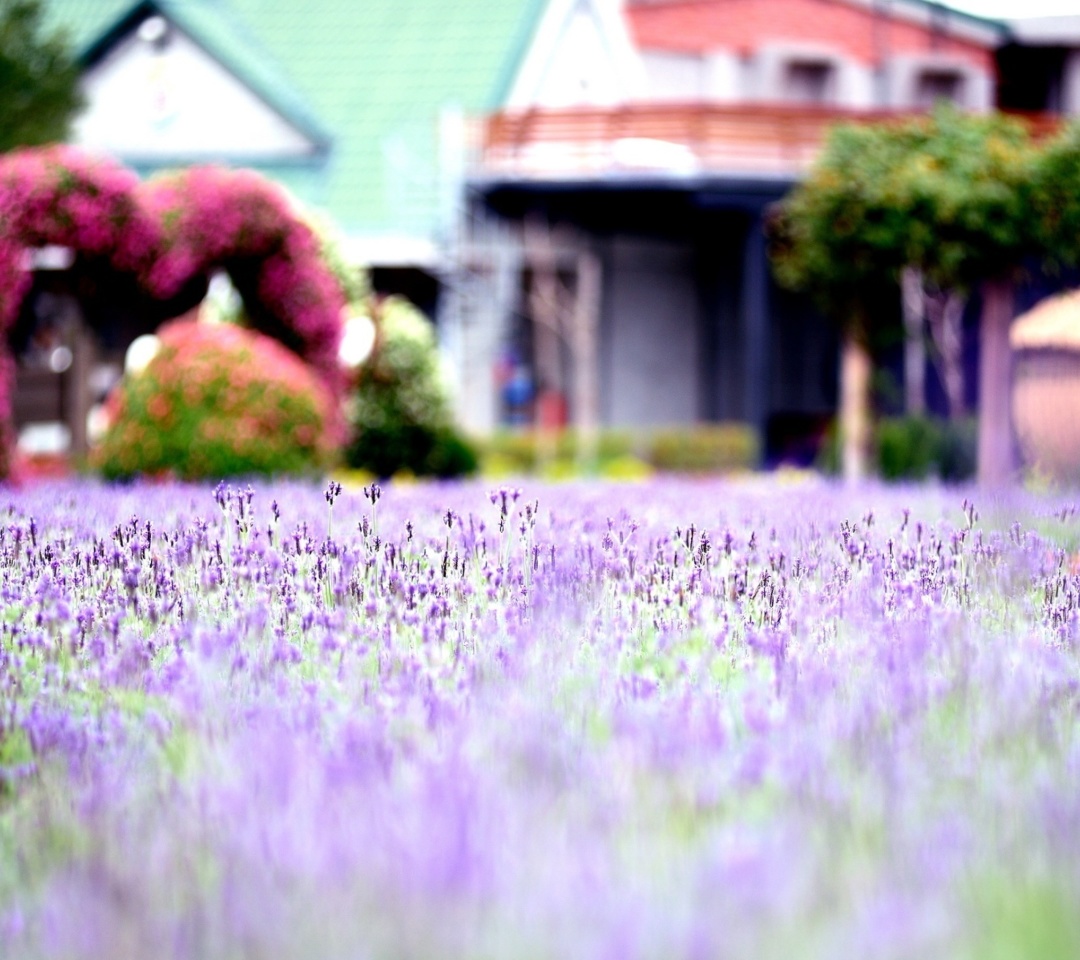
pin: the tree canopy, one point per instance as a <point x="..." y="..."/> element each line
<point x="834" y="237"/>
<point x="950" y="193"/>
<point x="955" y="195"/>
<point x="1056" y="196"/>
<point x="39" y="76"/>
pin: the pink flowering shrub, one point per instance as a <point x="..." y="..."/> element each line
<point x="217" y="401"/>
<point x="211" y="218"/>
<point x="167" y="232"/>
<point x="61" y="195"/>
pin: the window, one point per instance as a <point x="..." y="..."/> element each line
<point x="934" y="85"/>
<point x="809" y="81"/>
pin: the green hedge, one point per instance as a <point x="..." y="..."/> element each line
<point x="705" y="448"/>
<point x="217" y="400"/>
<point x="920" y="448"/>
<point x="398" y="406"/>
<point x="915" y="448"/>
<point x="715" y="448"/>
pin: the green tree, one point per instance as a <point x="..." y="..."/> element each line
<point x="838" y="238"/>
<point x="1056" y="196"/>
<point x="398" y="405"/>
<point x="967" y="193"/>
<point x="949" y="193"/>
<point x="39" y="77"/>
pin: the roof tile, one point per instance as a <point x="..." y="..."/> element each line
<point x="374" y="75"/>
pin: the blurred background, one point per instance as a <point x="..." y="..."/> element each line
<point x="573" y="192"/>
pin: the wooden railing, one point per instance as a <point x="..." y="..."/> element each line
<point x="768" y="141"/>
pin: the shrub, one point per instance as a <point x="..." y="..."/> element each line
<point x="398" y="407"/>
<point x="917" y="448"/>
<point x="216" y="401"/>
<point x="907" y="448"/>
<point x="168" y="233"/>
<point x="704" y="448"/>
<point x="211" y="218"/>
<point x="418" y="449"/>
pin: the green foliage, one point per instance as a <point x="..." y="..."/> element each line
<point x="398" y="407"/>
<point x="522" y="451"/>
<point x="418" y="449"/>
<point x="16" y="753"/>
<point x="1019" y="918"/>
<point x="917" y="448"/>
<point x="949" y="192"/>
<point x="216" y="401"/>
<point x="625" y="467"/>
<point x="965" y="190"/>
<point x="832" y="237"/>
<point x="38" y="77"/>
<point x="623" y="454"/>
<point x="1056" y="195"/>
<point x="711" y="448"/>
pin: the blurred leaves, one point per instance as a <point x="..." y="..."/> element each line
<point x="399" y="405"/>
<point x="216" y="400"/>
<point x="951" y="193"/>
<point x="39" y="77"/>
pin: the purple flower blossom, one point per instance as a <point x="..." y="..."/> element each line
<point x="443" y="739"/>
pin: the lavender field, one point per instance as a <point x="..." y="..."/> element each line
<point x="682" y="719"/>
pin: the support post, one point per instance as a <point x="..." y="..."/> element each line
<point x="996" y="460"/>
<point x="755" y="322"/>
<point x="856" y="374"/>
<point x="586" y="360"/>
<point x="911" y="292"/>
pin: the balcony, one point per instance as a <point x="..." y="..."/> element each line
<point x="664" y="140"/>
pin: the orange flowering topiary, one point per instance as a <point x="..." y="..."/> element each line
<point x="217" y="401"/>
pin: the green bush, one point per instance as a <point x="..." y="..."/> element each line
<point x="521" y="450"/>
<point x="398" y="406"/>
<point x="907" y="448"/>
<point x="216" y="401"/>
<point x="420" y="450"/>
<point x="918" y="448"/>
<point x="705" y="448"/>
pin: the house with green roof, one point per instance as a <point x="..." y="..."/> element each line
<point x="576" y="189"/>
<point x="366" y="111"/>
<point x="358" y="108"/>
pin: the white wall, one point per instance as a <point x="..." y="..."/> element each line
<point x="676" y="77"/>
<point x="581" y="54"/>
<point x="722" y="76"/>
<point x="725" y="77"/>
<point x="178" y="102"/>
<point x="852" y="82"/>
<point x="1070" y="87"/>
<point x="650" y="370"/>
<point x="903" y="74"/>
<point x="579" y="70"/>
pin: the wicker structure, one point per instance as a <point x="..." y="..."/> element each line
<point x="1046" y="386"/>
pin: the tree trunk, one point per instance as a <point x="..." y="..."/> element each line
<point x="945" y="315"/>
<point x="911" y="291"/>
<point x="951" y="345"/>
<point x="856" y="371"/>
<point x="996" y="460"/>
<point x="586" y="375"/>
<point x="547" y="307"/>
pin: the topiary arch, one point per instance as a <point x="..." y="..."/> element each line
<point x="167" y="232"/>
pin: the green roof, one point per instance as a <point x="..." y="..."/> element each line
<point x="370" y="76"/>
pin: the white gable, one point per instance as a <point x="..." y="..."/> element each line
<point x="148" y="101"/>
<point x="582" y="54"/>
